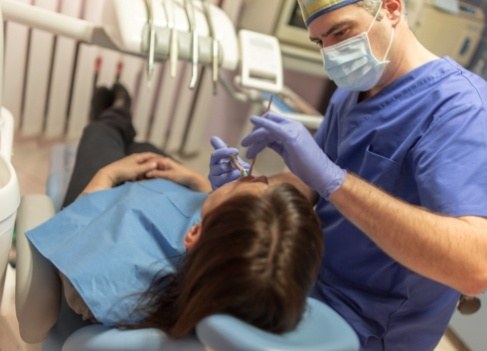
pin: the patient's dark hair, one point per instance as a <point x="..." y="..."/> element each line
<point x="256" y="259"/>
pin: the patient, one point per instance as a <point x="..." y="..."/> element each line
<point x="142" y="243"/>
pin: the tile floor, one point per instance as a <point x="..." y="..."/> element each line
<point x="31" y="161"/>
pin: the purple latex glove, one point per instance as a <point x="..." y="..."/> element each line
<point x="299" y="150"/>
<point x="222" y="170"/>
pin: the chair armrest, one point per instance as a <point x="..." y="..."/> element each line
<point x="37" y="285"/>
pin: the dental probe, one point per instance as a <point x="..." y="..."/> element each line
<point x="266" y="110"/>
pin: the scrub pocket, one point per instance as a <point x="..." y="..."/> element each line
<point x="379" y="170"/>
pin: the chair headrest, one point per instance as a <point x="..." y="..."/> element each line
<point x="320" y="329"/>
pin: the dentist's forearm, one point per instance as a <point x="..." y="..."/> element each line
<point x="450" y="250"/>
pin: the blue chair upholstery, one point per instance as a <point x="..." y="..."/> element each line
<point x="321" y="329"/>
<point x="98" y="337"/>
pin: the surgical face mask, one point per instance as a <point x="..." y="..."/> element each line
<point x="351" y="63"/>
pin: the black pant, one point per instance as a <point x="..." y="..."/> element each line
<point x="105" y="140"/>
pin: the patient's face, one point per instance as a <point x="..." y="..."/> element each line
<point x="244" y="185"/>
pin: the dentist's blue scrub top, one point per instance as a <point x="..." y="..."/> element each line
<point x="422" y="139"/>
<point x="110" y="244"/>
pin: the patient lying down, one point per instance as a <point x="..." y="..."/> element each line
<point x="147" y="244"/>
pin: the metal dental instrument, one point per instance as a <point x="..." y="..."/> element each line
<point x="215" y="49"/>
<point x="217" y="143"/>
<point x="214" y="45"/>
<point x="173" y="36"/>
<point x="255" y="158"/>
<point x="237" y="165"/>
<point x="190" y="13"/>
<point x="151" y="39"/>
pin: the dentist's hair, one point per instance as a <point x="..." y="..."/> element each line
<point x="371" y="6"/>
<point x="257" y="259"/>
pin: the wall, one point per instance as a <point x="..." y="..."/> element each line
<point x="479" y="61"/>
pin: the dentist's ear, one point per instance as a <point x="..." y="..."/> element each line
<point x="192" y="236"/>
<point x="394" y="9"/>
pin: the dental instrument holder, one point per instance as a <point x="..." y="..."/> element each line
<point x="167" y="46"/>
<point x="128" y="30"/>
<point x="147" y="29"/>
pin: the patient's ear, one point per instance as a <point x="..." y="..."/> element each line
<point x="192" y="236"/>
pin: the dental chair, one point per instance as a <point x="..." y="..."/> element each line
<point x="45" y="319"/>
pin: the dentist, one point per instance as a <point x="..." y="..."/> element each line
<point x="398" y="168"/>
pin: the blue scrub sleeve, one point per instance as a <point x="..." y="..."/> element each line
<point x="451" y="162"/>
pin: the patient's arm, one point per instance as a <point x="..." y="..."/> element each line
<point x="132" y="167"/>
<point x="146" y="165"/>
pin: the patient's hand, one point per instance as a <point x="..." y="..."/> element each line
<point x="132" y="167"/>
<point x="176" y="172"/>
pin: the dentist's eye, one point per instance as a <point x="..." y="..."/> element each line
<point x="341" y="33"/>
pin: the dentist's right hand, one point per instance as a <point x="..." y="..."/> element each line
<point x="299" y="150"/>
<point x="221" y="169"/>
